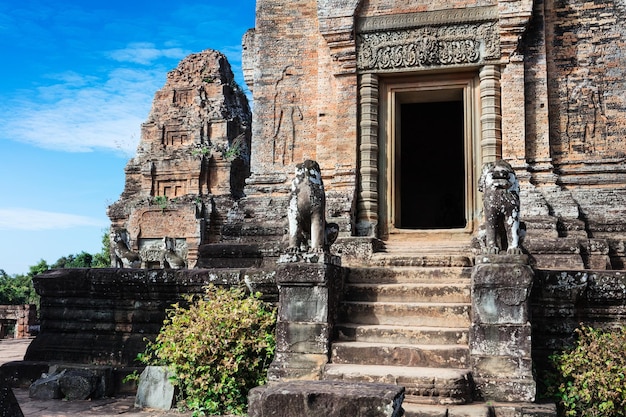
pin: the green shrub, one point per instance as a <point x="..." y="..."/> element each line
<point x="591" y="377"/>
<point x="219" y="348"/>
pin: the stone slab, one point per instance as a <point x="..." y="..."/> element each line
<point x="20" y="374"/>
<point x="293" y="366"/>
<point x="47" y="387"/>
<point x="98" y="379"/>
<point x="155" y="389"/>
<point x="301" y="273"/>
<point x="507" y="390"/>
<point x="304" y="304"/>
<point x="326" y="399"/>
<point x="229" y="256"/>
<point x="524" y="409"/>
<point x="500" y="293"/>
<point x="296" y="337"/>
<point x="500" y="340"/>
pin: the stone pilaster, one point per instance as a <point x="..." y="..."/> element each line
<point x="491" y="119"/>
<point x="368" y="155"/>
<point x="500" y="335"/>
<point x="308" y="297"/>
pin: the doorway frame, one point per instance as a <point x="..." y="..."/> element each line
<point x="392" y="92"/>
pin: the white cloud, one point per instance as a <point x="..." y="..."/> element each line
<point x="145" y="53"/>
<point x="80" y="113"/>
<point x="29" y="219"/>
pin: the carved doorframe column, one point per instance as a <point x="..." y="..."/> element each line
<point x="367" y="221"/>
<point x="491" y="117"/>
<point x="414" y="44"/>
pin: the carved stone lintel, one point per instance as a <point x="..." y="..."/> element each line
<point x="444" y="17"/>
<point x="456" y="44"/>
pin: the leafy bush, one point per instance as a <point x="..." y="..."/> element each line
<point x="219" y="348"/>
<point x="591" y="377"/>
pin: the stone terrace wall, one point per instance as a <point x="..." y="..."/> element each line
<point x="102" y="316"/>
<point x="562" y="300"/>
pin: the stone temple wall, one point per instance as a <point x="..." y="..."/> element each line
<point x="318" y="97"/>
<point x="575" y="120"/>
<point x="587" y="90"/>
<point x="551" y="103"/>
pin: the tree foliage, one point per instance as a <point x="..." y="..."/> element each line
<point x="591" y="377"/>
<point x="219" y="348"/>
<point x="18" y="288"/>
<point x="103" y="258"/>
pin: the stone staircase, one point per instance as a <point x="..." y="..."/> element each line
<point x="405" y="319"/>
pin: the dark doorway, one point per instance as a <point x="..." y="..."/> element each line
<point x="431" y="183"/>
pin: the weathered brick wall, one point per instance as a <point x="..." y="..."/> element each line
<point x="285" y="85"/>
<point x="585" y="43"/>
<point x="302" y="108"/>
<point x="23" y="317"/>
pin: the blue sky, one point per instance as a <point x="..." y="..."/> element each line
<point x="76" y="83"/>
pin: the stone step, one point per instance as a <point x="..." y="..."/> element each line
<point x="427" y="410"/>
<point x="413" y="274"/>
<point x="406" y="314"/>
<point x="410" y="258"/>
<point x="409" y="292"/>
<point x="402" y="334"/>
<point x="388" y="354"/>
<point x="423" y="385"/>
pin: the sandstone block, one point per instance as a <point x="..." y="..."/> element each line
<point x="155" y="389"/>
<point x="303" y="337"/>
<point x="326" y="399"/>
<point x="511" y="340"/>
<point x="47" y="387"/>
<point x="80" y="384"/>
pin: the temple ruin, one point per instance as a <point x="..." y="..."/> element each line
<point x="401" y="104"/>
<point x="194" y="149"/>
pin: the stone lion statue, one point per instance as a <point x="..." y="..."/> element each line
<point x="308" y="230"/>
<point x="170" y="258"/>
<point x="500" y="189"/>
<point x="123" y="257"/>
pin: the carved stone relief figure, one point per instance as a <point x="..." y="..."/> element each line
<point x="122" y="255"/>
<point x="586" y="116"/>
<point x="500" y="189"/>
<point x="287" y="115"/>
<point x="308" y="230"/>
